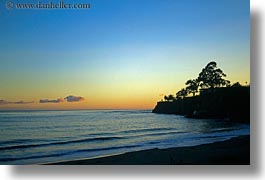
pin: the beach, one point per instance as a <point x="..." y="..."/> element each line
<point x="235" y="151"/>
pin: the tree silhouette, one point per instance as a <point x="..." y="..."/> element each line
<point x="237" y="84"/>
<point x="212" y="77"/>
<point x="209" y="77"/>
<point x="192" y="86"/>
<point x="169" y="98"/>
<point x="182" y="93"/>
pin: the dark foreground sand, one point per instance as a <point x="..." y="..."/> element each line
<point x="233" y="152"/>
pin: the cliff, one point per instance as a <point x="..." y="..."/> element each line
<point x="231" y="103"/>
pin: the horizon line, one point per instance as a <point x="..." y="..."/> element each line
<point x="97" y="109"/>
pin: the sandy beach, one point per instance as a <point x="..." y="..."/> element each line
<point x="235" y="151"/>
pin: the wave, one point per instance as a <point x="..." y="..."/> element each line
<point x="146" y="130"/>
<point x="130" y="131"/>
<point x="67" y="153"/>
<point x="159" y="134"/>
<point x="60" y="143"/>
<point x="107" y="138"/>
<point x="25" y="146"/>
<point x="22" y="142"/>
<point x="17" y="141"/>
<point x="212" y="136"/>
<point x="223" y="129"/>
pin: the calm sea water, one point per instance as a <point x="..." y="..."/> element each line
<point x="30" y="137"/>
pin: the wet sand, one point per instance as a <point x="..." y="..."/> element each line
<point x="235" y="151"/>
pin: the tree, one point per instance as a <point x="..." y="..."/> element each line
<point x="237" y="84"/>
<point x="212" y="77"/>
<point x="166" y="98"/>
<point x="169" y="98"/>
<point x="182" y="93"/>
<point x="192" y="86"/>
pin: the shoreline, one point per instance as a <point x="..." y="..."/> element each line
<point x="231" y="103"/>
<point x="235" y="151"/>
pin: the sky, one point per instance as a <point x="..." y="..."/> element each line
<point x="119" y="54"/>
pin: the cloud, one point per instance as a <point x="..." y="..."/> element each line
<point x="74" y="98"/>
<point x="70" y="98"/>
<point x="67" y="99"/>
<point x="23" y="102"/>
<point x="59" y="100"/>
<point x="4" y="102"/>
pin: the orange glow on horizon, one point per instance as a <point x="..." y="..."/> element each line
<point x="138" y="98"/>
<point x="92" y="104"/>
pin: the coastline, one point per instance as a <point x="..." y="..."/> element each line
<point x="235" y="151"/>
<point x="232" y="103"/>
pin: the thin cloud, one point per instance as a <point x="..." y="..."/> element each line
<point x="74" y="98"/>
<point x="59" y="100"/>
<point x="4" y="102"/>
<point x="23" y="102"/>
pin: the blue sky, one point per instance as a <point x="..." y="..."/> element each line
<point x="153" y="44"/>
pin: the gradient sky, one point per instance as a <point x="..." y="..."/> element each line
<point x="120" y="54"/>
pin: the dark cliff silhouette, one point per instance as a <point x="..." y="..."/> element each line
<point x="217" y="98"/>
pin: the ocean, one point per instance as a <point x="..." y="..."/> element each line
<point x="35" y="137"/>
